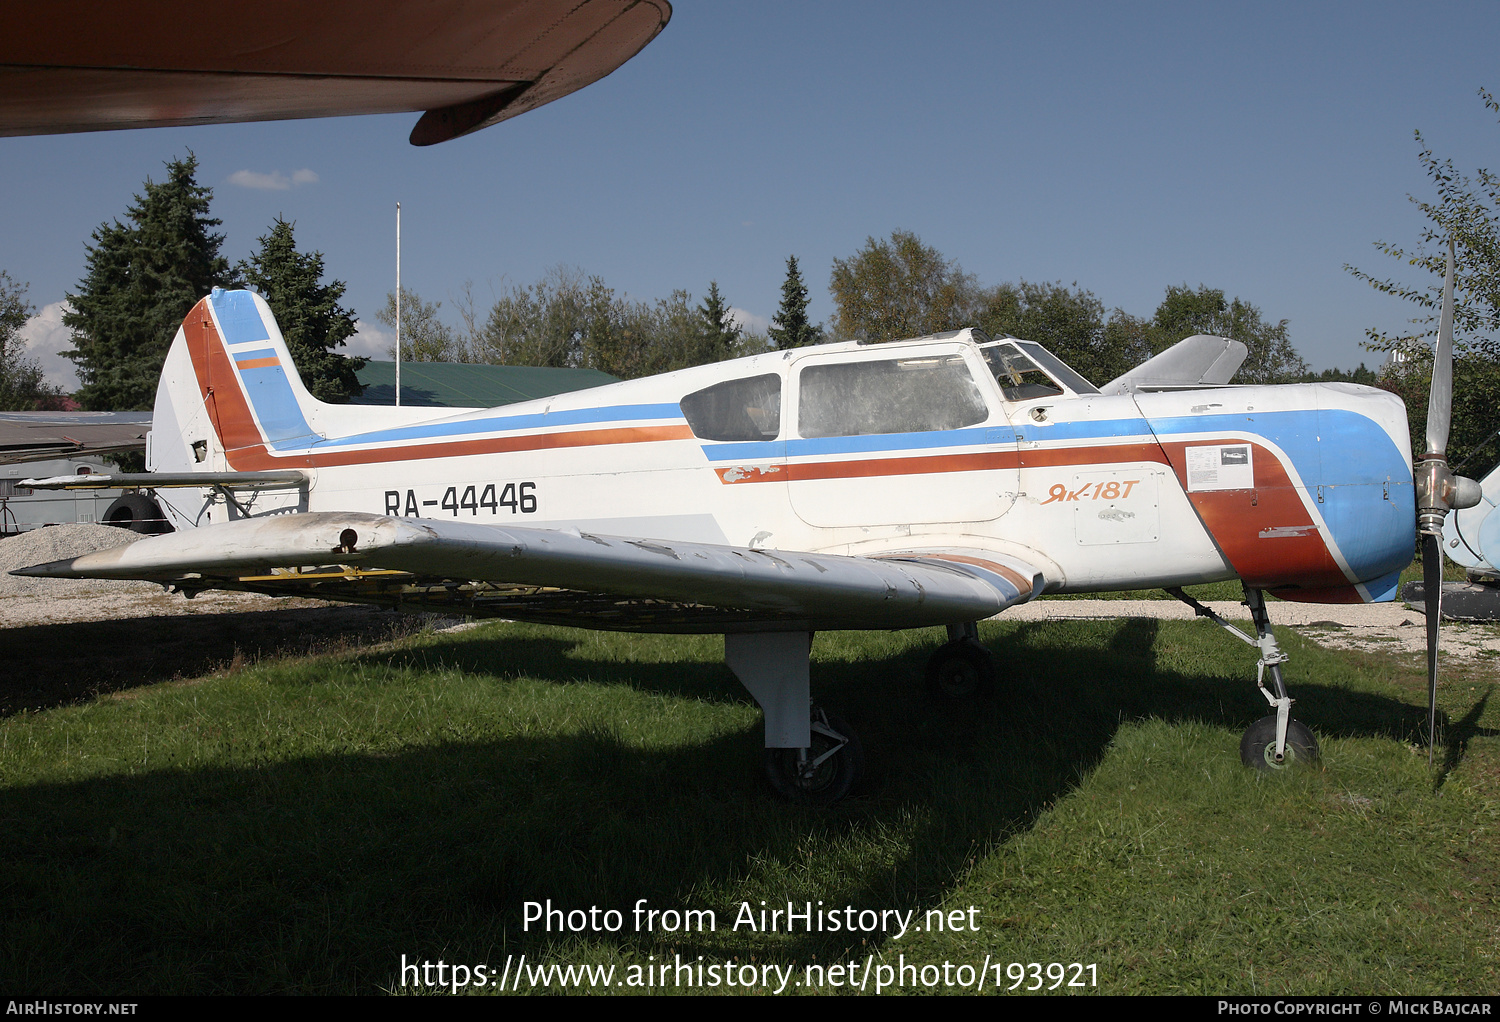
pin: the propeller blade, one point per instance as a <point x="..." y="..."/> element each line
<point x="1440" y="397"/>
<point x="1432" y="584"/>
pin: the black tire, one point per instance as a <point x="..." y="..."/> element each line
<point x="961" y="671"/>
<point x="138" y="513"/>
<point x="1258" y="747"/>
<point x="833" y="779"/>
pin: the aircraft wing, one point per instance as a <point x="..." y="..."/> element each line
<point x="44" y="436"/>
<point x="80" y="65"/>
<point x="567" y="576"/>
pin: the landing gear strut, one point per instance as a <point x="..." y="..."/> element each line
<point x="961" y="669"/>
<point x="825" y="771"/>
<point x="1277" y="741"/>
<point x="812" y="758"/>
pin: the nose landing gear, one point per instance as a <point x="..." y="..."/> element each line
<point x="1275" y="742"/>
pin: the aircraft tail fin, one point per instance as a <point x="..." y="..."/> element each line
<point x="229" y="392"/>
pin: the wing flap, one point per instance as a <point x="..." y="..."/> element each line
<point x="823" y="590"/>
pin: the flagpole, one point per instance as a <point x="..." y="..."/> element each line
<point x="398" y="305"/>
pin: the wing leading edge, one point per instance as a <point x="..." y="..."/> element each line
<point x="761" y="588"/>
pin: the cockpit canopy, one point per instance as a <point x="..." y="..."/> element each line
<point x="850" y="391"/>
<point x="1026" y="371"/>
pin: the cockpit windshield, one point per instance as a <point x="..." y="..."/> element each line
<point x="1027" y="371"/>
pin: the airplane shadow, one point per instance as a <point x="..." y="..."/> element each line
<point x="319" y="873"/>
<point x="58" y="664"/>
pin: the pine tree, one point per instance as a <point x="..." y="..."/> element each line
<point x="143" y="277"/>
<point x="790" y="327"/>
<point x="720" y="333"/>
<point x="307" y="310"/>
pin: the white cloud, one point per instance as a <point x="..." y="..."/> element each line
<point x="748" y="321"/>
<point x="275" y="181"/>
<point x="370" y="341"/>
<point x="45" y="339"/>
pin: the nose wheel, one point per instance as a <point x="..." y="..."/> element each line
<point x="1275" y="742"/>
<point x="1258" y="747"/>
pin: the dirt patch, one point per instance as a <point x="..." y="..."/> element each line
<point x="1390" y="628"/>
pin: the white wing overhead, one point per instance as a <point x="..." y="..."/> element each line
<point x="375" y="558"/>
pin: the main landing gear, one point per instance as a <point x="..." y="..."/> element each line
<point x="1277" y="741"/>
<point x="812" y="757"/>
<point x="961" y="669"/>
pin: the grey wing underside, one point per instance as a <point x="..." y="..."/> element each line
<point x="566" y="576"/>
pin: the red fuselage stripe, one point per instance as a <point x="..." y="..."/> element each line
<point x="246" y="451"/>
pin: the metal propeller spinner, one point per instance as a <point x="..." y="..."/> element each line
<point x="1438" y="490"/>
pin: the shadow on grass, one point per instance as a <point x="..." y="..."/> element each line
<point x="59" y="664"/>
<point x="317" y="874"/>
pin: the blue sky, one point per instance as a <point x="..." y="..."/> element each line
<point x="1256" y="148"/>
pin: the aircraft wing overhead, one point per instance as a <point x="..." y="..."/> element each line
<point x="761" y="587"/>
<point x="80" y="65"/>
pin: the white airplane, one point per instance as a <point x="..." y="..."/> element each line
<point x="934" y="481"/>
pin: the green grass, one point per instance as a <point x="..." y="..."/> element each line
<point x="299" y="825"/>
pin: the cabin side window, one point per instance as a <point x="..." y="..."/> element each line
<point x="748" y="409"/>
<point x="904" y="395"/>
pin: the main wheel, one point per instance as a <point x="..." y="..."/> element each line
<point x="961" y="670"/>
<point x="819" y="779"/>
<point x="1258" y="747"/>
<point x="138" y="513"/>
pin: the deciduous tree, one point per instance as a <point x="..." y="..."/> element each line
<point x="899" y="288"/>
<point x="22" y="387"/>
<point x="424" y="337"/>
<point x="1468" y="211"/>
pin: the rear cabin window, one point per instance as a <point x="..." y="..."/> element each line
<point x="904" y="395"/>
<point x="748" y="409"/>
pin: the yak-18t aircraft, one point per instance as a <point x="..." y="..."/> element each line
<point x="932" y="481"/>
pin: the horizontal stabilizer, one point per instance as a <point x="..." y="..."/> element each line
<point x="1196" y="361"/>
<point x="818" y="591"/>
<point x="277" y="479"/>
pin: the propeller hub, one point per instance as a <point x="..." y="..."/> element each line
<point x="1433" y="481"/>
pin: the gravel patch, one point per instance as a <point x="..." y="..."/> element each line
<point x="1392" y="627"/>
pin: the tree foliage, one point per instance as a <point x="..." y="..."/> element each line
<point x="424" y="337"/>
<point x="143" y="277"/>
<point x="899" y="288"/>
<point x="903" y="288"/>
<point x="22" y="387"/>
<point x="1468" y="211"/>
<point x="312" y="321"/>
<point x="719" y="333"/>
<point x="1068" y="321"/>
<point x="569" y="319"/>
<point x="790" y="327"/>
<point x="1183" y="312"/>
